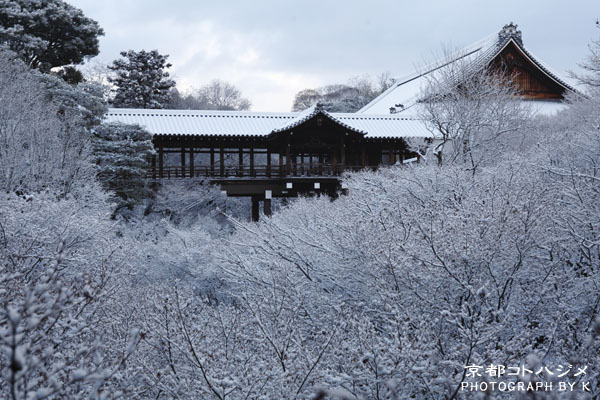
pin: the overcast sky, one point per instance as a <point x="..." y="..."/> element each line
<point x="272" y="49"/>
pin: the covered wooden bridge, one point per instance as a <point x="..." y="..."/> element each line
<point x="267" y="155"/>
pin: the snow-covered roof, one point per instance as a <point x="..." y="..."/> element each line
<point x="246" y="123"/>
<point x="311" y="112"/>
<point x="405" y="93"/>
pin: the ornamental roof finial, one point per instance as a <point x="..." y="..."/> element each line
<point x="509" y="31"/>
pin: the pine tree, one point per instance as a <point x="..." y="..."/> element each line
<point x="141" y="80"/>
<point x="48" y="33"/>
<point x="123" y="153"/>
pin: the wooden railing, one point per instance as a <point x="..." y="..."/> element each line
<point x="261" y="171"/>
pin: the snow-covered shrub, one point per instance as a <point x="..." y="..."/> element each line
<point x="390" y="291"/>
<point x="58" y="275"/>
<point x="61" y="264"/>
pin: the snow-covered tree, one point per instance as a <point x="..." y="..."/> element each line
<point x="348" y="97"/>
<point x="48" y="33"/>
<point x="220" y="95"/>
<point x="472" y="112"/>
<point x="215" y="95"/>
<point x="190" y="100"/>
<point x="60" y="262"/>
<point x="391" y="291"/>
<point x="83" y="102"/>
<point x="70" y="75"/>
<point x="123" y="153"/>
<point x="335" y="98"/>
<point x="141" y="79"/>
<point x="388" y="292"/>
<point x="59" y="272"/>
<point x="44" y="144"/>
<point x="591" y="64"/>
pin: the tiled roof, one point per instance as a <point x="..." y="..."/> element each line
<point x="311" y="112"/>
<point x="405" y="92"/>
<point x="245" y="123"/>
<point x="192" y="122"/>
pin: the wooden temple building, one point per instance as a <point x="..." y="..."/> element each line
<point x="268" y="155"/>
<point x="502" y="51"/>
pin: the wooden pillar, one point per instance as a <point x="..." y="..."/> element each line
<point x="268" y="163"/>
<point x="222" y="161"/>
<point x="391" y="157"/>
<point x="191" y="162"/>
<point x="295" y="164"/>
<point x="310" y="164"/>
<point x="334" y="162"/>
<point x="267" y="204"/>
<point x="301" y="163"/>
<point x="255" y="208"/>
<point x="212" y="161"/>
<point x="153" y="166"/>
<point x="240" y="161"/>
<point x="288" y="159"/>
<point x="183" y="162"/>
<point x="364" y="157"/>
<point x="320" y="168"/>
<point x="280" y="163"/>
<point x="251" y="160"/>
<point x="343" y="154"/>
<point x="161" y="158"/>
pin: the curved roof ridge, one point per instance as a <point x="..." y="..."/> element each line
<point x="310" y="113"/>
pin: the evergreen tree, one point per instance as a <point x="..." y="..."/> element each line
<point x="123" y="153"/>
<point x="141" y="80"/>
<point x="48" y="33"/>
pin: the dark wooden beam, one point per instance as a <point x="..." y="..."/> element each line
<point x="160" y="162"/>
<point x="280" y="164"/>
<point x="153" y="166"/>
<point x="321" y="160"/>
<point x="240" y="161"/>
<point x="288" y="160"/>
<point x="191" y="162"/>
<point x="334" y="160"/>
<point x="251" y="160"/>
<point x="343" y="151"/>
<point x="222" y="161"/>
<point x="255" y="208"/>
<point x="295" y="164"/>
<point x="183" y="162"/>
